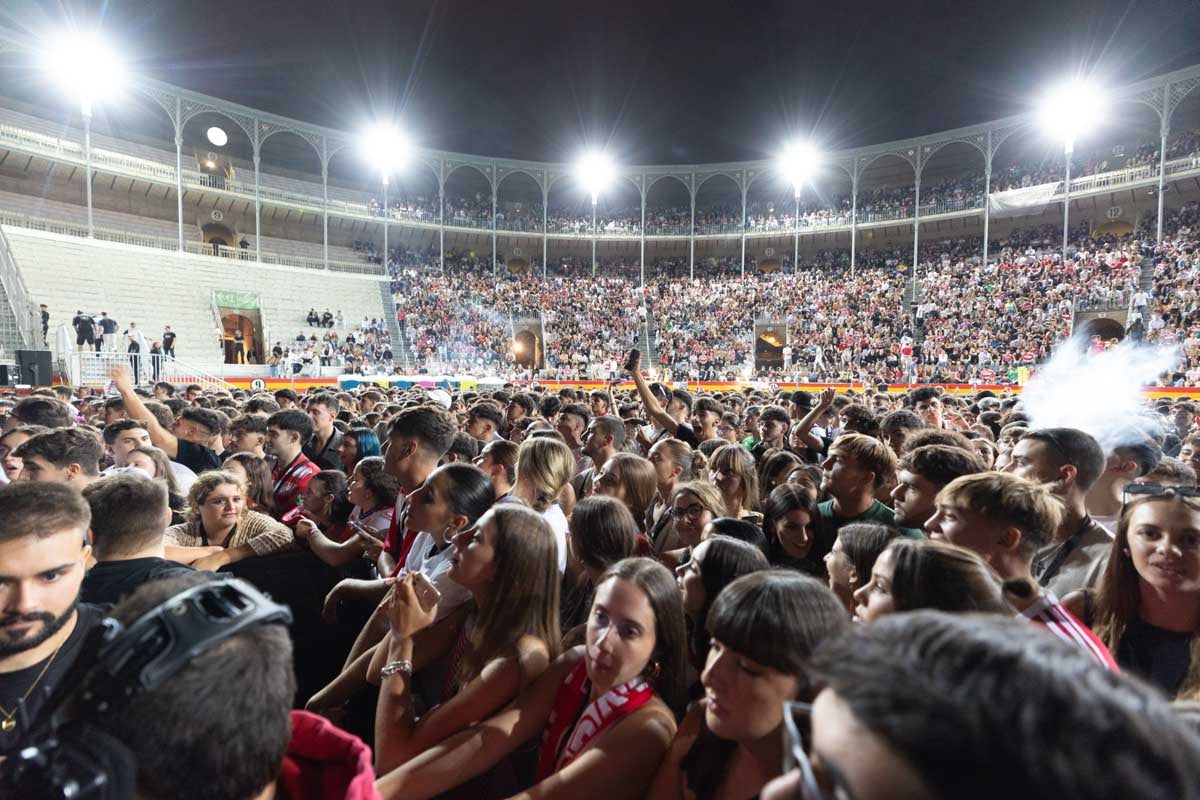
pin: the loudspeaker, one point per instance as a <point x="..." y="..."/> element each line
<point x="33" y="367"/>
<point x="5" y="380"/>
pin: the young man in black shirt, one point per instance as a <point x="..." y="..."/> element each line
<point x="188" y="440"/>
<point x="671" y="421"/>
<point x="168" y="341"/>
<point x="129" y="515"/>
<point x="43" y="553"/>
<point x="85" y="329"/>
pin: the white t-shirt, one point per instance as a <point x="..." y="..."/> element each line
<point x="436" y="567"/>
<point x="558" y="523"/>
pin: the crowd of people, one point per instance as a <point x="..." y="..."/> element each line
<point x="520" y="592"/>
<point x="956" y="320"/>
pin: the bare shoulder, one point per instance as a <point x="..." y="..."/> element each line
<point x="656" y="720"/>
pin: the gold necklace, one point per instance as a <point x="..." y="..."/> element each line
<point x="10" y="722"/>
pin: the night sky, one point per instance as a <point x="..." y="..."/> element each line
<point x="653" y="81"/>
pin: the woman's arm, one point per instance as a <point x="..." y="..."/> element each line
<point x="340" y="689"/>
<point x="477" y="749"/>
<point x="188" y="555"/>
<point x="264" y="535"/>
<point x="333" y="553"/>
<point x="398" y="737"/>
<point x="615" y="766"/>
<point x="669" y="783"/>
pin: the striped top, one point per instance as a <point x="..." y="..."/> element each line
<point x="1048" y="612"/>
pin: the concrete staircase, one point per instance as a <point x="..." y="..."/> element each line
<point x="401" y="354"/>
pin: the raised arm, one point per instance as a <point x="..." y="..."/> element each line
<point x="162" y="438"/>
<point x="654" y="410"/>
<point x="805" y="425"/>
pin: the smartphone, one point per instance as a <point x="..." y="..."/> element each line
<point x="427" y="594"/>
<point x="635" y="356"/>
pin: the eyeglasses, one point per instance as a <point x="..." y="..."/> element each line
<point x="797" y="739"/>
<point x="691" y="512"/>
<point x="1157" y="490"/>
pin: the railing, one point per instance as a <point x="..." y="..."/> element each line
<point x="19" y="300"/>
<point x="88" y="368"/>
<point x="193" y="247"/>
<point x="59" y="148"/>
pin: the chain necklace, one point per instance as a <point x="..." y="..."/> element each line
<point x="9" y="722"/>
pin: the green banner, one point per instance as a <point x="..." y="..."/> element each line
<point x="226" y="298"/>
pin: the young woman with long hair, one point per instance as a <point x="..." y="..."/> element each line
<point x="154" y="462"/>
<point x="220" y="529"/>
<point x="731" y="469"/>
<point x="853" y="555"/>
<point x="794" y="540"/>
<point x="913" y="574"/>
<point x="694" y="505"/>
<point x="545" y="467"/>
<point x="256" y="478"/>
<point x="371" y="493"/>
<point x="602" y="533"/>
<point x="715" y="563"/>
<point x="605" y="710"/>
<point x="509" y="564"/>
<point x="672" y="461"/>
<point x="451" y="500"/>
<point x="357" y="444"/>
<point x="630" y="479"/>
<point x="1146" y="609"/>
<point x="764" y="628"/>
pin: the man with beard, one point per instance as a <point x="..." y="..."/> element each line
<point x="43" y="550"/>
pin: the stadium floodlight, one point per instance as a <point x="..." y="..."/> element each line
<point x="1066" y="112"/>
<point x="798" y="164"/>
<point x="387" y="150"/>
<point x="217" y="136"/>
<point x="88" y="68"/>
<point x="1070" y="110"/>
<point x="595" y="171"/>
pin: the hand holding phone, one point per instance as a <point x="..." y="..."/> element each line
<point x="412" y="605"/>
<point x="633" y="360"/>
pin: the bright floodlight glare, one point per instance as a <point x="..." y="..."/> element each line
<point x="1071" y="110"/>
<point x="798" y="163"/>
<point x="385" y="148"/>
<point x="217" y="136"/>
<point x="86" y="66"/>
<point x="595" y="171"/>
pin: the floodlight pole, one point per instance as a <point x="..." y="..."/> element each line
<point x="385" y="221"/>
<point x="1165" y="117"/>
<point x="87" y="160"/>
<point x="594" y="198"/>
<point x="1069" y="149"/>
<point x="796" y="252"/>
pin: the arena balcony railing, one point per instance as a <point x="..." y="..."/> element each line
<point x="1161" y="94"/>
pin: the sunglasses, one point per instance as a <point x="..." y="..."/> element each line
<point x="1156" y="490"/>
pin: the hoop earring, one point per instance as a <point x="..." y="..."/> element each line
<point x="652" y="670"/>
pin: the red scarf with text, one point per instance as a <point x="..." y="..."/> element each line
<point x="573" y="726"/>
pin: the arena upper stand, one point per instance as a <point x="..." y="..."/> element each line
<point x="684" y="267"/>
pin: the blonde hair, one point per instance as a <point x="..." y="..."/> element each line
<point x="869" y="453"/>
<point x="739" y="459"/>
<point x="708" y="495"/>
<point x="546" y="465"/>
<point x="205" y="483"/>
<point x="1004" y="498"/>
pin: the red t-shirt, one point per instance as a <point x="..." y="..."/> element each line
<point x="1054" y="617"/>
